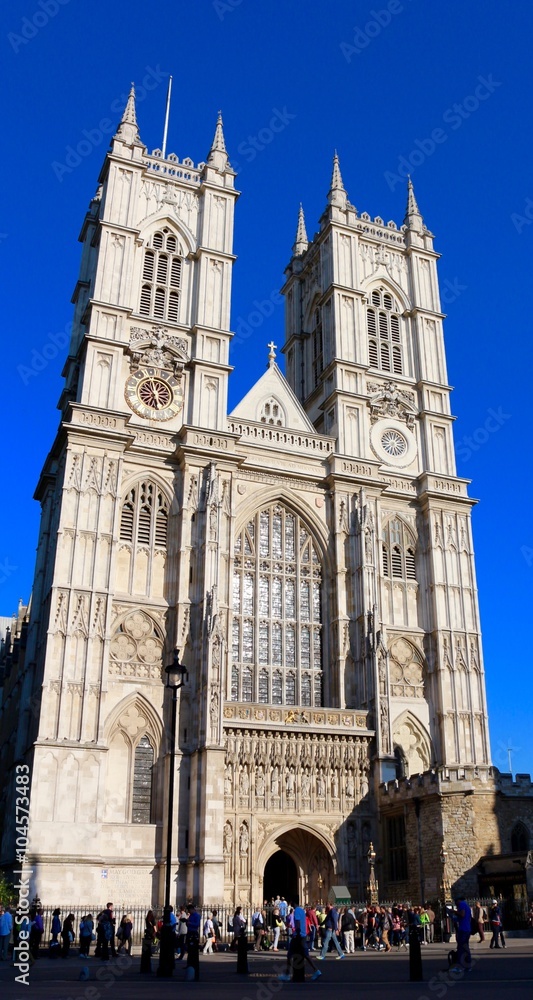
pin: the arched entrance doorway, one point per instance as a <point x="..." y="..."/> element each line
<point x="299" y="866"/>
<point x="281" y="878"/>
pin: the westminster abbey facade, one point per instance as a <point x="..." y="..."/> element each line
<point x="309" y="554"/>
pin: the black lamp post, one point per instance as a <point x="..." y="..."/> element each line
<point x="372" y="888"/>
<point x="176" y="677"/>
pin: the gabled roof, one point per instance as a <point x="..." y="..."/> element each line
<point x="273" y="386"/>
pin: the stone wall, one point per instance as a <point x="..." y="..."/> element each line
<point x="470" y="812"/>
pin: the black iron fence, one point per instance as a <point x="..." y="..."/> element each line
<point x="514" y="914"/>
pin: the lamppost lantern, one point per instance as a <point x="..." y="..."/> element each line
<point x="371" y="856"/>
<point x="443" y="856"/>
<point x="320" y="881"/>
<point x="176" y="672"/>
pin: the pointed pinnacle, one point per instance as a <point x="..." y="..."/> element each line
<point x="218" y="156"/>
<point x="218" y="141"/>
<point x="128" y="130"/>
<point x="337" y="192"/>
<point x="301" y="242"/>
<point x="129" y="115"/>
<point x="336" y="179"/>
<point x="413" y="218"/>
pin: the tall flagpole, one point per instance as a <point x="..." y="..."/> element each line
<point x="167" y="112"/>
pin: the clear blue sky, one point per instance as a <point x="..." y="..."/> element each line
<point x="336" y="78"/>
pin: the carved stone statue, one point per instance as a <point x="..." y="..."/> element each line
<point x="290" y="782"/>
<point x="384" y="727"/>
<point x="320" y="785"/>
<point x="244" y="839"/>
<point x="259" y="785"/>
<point x="350" y="786"/>
<point x="306" y="786"/>
<point x="335" y="785"/>
<point x="274" y="781"/>
<point x="228" y="837"/>
<point x="213" y="713"/>
<point x="244" y="782"/>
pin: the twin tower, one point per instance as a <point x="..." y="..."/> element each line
<point x="310" y="555"/>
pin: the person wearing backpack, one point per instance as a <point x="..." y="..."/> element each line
<point x="86" y="934"/>
<point x="258" y="926"/>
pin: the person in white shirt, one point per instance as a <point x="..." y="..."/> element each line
<point x="209" y="934"/>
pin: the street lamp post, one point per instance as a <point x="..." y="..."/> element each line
<point x="176" y="676"/>
<point x="320" y="881"/>
<point x="445" y="894"/>
<point x="372" y="888"/>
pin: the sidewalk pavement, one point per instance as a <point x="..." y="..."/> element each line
<point x="496" y="975"/>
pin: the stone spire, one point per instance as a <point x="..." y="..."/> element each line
<point x="301" y="242"/>
<point x="128" y="130"/>
<point x="413" y="218"/>
<point x="218" y="156"/>
<point x="337" y="194"/>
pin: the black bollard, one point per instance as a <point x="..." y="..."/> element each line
<point x="146" y="955"/>
<point x="297" y="959"/>
<point x="167" y="943"/>
<point x="415" y="955"/>
<point x="242" y="954"/>
<point x="193" y="955"/>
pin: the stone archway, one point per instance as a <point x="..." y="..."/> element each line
<point x="314" y="860"/>
<point x="280" y="878"/>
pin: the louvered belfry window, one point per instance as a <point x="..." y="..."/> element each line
<point x="161" y="278"/>
<point x="384" y="337"/>
<point x="398" y="551"/>
<point x="144" y="516"/>
<point x="277" y="616"/>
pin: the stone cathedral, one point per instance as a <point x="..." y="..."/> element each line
<point x="309" y="554"/>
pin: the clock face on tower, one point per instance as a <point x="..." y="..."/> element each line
<point x="154" y="394"/>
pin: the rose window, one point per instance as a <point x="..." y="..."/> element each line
<point x="393" y="443"/>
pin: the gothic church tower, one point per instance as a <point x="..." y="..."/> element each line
<point x="365" y="354"/>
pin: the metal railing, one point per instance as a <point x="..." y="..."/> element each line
<point x="514" y="913"/>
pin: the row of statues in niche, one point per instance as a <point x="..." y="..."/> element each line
<point x="279" y="782"/>
<point x="244" y="838"/>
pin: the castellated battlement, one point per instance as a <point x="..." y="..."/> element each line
<point x="446" y="780"/>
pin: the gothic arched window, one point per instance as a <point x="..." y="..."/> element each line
<point x="384" y="337"/>
<point x="519" y="838"/>
<point x="161" y="278"/>
<point x="397" y="551"/>
<point x="141" y="811"/>
<point x="276" y="642"/>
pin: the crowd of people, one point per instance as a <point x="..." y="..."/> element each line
<point x="322" y="929"/>
<point x="380" y="928"/>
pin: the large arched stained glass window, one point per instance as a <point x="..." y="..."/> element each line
<point x="276" y="642"/>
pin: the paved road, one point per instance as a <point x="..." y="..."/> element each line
<point x="495" y="976"/>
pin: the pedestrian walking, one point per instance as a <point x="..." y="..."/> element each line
<point x="55" y="930"/>
<point x="479" y="917"/>
<point x="86" y="934"/>
<point x="6" y="926"/>
<point x="463" y="931"/>
<point x="331" y="927"/>
<point x="209" y="934"/>
<point x="496" y="923"/>
<point x="67" y="935"/>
